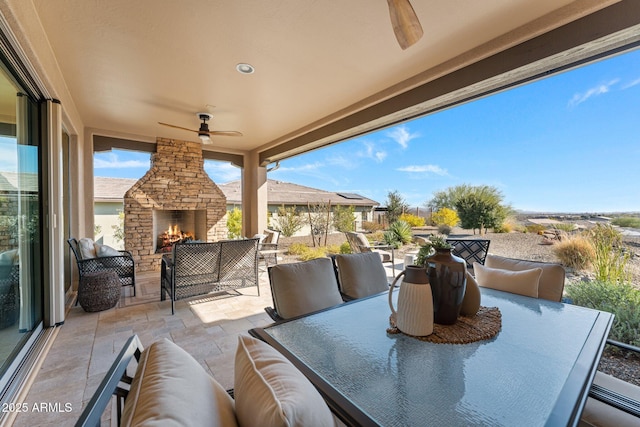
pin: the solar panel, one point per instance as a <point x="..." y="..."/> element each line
<point x="350" y="196"/>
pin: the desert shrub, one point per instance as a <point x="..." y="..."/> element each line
<point x="535" y="228"/>
<point x="611" y="258"/>
<point x="627" y="221"/>
<point x="399" y="233"/>
<point x="297" y="248"/>
<point x="375" y="237"/>
<point x="344" y="218"/>
<point x="288" y="221"/>
<point x="445" y="216"/>
<point x="565" y="227"/>
<point x="345" y="248"/>
<point x="313" y="253"/>
<point x="370" y="226"/>
<point x="234" y="223"/>
<point x="621" y="299"/>
<point x="444" y="229"/>
<point x="412" y="220"/>
<point x="577" y="252"/>
<point x="333" y="249"/>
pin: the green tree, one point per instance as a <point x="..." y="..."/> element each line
<point x="118" y="230"/>
<point x="234" y="223"/>
<point x="344" y="218"/>
<point x="288" y="221"/>
<point x="396" y="206"/>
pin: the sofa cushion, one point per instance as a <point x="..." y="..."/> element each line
<point x="551" y="281"/>
<point x="523" y="282"/>
<point x="86" y="248"/>
<point x="361" y="274"/>
<point x="270" y="391"/>
<point x="171" y="388"/>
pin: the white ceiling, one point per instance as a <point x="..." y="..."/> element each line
<point x="130" y="64"/>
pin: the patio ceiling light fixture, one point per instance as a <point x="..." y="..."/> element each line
<point x="203" y="132"/>
<point x="244" y="68"/>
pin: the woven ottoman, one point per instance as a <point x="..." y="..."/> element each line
<point x="99" y="290"/>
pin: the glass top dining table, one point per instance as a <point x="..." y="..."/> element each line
<point x="536" y="371"/>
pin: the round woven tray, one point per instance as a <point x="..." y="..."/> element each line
<point x="483" y="326"/>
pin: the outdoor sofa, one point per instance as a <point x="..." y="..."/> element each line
<point x="193" y="269"/>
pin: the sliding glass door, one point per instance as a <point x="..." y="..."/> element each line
<point x="20" y="230"/>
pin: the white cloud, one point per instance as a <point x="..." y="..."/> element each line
<point x="401" y="135"/>
<point x="579" y="98"/>
<point x="631" y="84"/>
<point x="8" y="157"/>
<point x="372" y="152"/>
<point x="424" y="169"/>
<point x="222" y="172"/>
<point x="111" y="161"/>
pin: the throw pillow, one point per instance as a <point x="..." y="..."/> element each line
<point x="270" y="391"/>
<point x="171" y="388"/>
<point x="524" y="282"/>
<point x="104" y="250"/>
<point x="87" y="248"/>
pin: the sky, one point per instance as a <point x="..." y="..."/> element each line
<point x="569" y="143"/>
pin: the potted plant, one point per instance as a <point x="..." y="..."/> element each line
<point x="436" y="242"/>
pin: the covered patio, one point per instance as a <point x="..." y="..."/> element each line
<point x="279" y="80"/>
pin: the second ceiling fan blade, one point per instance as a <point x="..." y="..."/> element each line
<point x="177" y="127"/>
<point x="406" y="25"/>
<point x="225" y="133"/>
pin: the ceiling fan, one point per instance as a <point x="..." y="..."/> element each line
<point x="204" y="133"/>
<point x="405" y="23"/>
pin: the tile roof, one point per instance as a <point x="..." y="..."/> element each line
<point x="278" y="192"/>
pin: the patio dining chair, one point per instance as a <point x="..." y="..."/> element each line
<point x="470" y="250"/>
<point x="360" y="275"/>
<point x="359" y="244"/>
<point x="302" y="287"/>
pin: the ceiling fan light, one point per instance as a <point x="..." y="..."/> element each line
<point x="204" y="137"/>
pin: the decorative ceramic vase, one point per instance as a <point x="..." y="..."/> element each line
<point x="447" y="275"/>
<point x="415" y="302"/>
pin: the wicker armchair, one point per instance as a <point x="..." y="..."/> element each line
<point x="123" y="265"/>
<point x="471" y="250"/>
<point x="359" y="244"/>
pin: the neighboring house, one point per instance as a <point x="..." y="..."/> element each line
<point x="109" y="197"/>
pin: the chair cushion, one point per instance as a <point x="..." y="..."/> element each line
<point x="104" y="250"/>
<point x="551" y="282"/>
<point x="171" y="388"/>
<point x="361" y="275"/>
<point x="9" y="257"/>
<point x="270" y="391"/>
<point x="598" y="413"/>
<point x="523" y="282"/>
<point x="385" y="256"/>
<point x="302" y="287"/>
<point x="87" y="248"/>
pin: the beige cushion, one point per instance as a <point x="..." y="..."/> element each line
<point x="270" y="391"/>
<point x="600" y="414"/>
<point x="523" y="282"/>
<point x="362" y="274"/>
<point x="302" y="287"/>
<point x="104" y="250"/>
<point x="171" y="388"/>
<point x="9" y="257"/>
<point x="551" y="282"/>
<point x="87" y="248"/>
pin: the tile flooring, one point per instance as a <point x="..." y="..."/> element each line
<point x="87" y="344"/>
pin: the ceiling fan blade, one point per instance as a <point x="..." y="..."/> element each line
<point x="225" y="133"/>
<point x="177" y="127"/>
<point x="405" y="23"/>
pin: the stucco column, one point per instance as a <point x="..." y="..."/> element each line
<point x="254" y="195"/>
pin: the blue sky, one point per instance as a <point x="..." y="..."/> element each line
<point x="569" y="143"/>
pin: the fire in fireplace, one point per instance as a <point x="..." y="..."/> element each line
<point x="183" y="225"/>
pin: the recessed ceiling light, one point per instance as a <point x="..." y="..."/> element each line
<point x="245" y="68"/>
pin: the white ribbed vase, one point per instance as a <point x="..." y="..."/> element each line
<point x="415" y="302"/>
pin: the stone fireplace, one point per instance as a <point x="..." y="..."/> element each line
<point x="175" y="200"/>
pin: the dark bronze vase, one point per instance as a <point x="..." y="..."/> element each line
<point x="447" y="275"/>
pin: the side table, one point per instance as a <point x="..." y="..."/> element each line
<point x="99" y="290"/>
